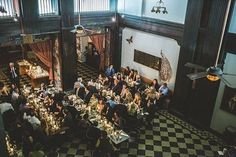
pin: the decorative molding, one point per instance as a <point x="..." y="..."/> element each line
<point x="154" y="26"/>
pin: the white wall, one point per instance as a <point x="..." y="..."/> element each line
<point x="221" y="118"/>
<point x="131" y="7"/>
<point x="176" y="9"/>
<point x="232" y="27"/>
<point x="152" y="44"/>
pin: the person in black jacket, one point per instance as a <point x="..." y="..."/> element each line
<point x="79" y="91"/>
<point x="13" y="74"/>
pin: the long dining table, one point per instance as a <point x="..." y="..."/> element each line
<point x="117" y="136"/>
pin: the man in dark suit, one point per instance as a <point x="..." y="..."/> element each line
<point x="13" y="74"/>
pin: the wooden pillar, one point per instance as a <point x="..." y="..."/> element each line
<point x="29" y="15"/>
<point x="187" y="50"/>
<point x="68" y="45"/>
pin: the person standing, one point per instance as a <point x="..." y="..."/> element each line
<point x="13" y="74"/>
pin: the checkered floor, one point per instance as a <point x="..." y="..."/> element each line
<point x="86" y="72"/>
<point x="165" y="139"/>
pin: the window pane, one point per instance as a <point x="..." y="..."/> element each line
<point x="91" y="5"/>
<point x="48" y="7"/>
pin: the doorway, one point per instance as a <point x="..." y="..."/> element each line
<point x="94" y="50"/>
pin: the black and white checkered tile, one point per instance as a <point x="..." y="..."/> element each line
<point x="165" y="139"/>
<point x="86" y="72"/>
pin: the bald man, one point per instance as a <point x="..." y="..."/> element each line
<point x="13" y="74"/>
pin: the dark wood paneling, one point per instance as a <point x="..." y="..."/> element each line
<point x="29" y="16"/>
<point x="95" y="19"/>
<point x="8" y="27"/>
<point x="68" y="45"/>
<point x="200" y="45"/>
<point x="69" y="60"/>
<point x="230" y="43"/>
<point x="49" y="24"/>
<point x="155" y="26"/>
<point x="187" y="51"/>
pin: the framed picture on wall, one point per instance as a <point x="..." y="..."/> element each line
<point x="228" y="102"/>
<point x="147" y="59"/>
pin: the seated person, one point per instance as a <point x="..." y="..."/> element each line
<point x="134" y="75"/>
<point x="94" y="100"/>
<point x="112" y="102"/>
<point x="137" y="99"/>
<point x="126" y="71"/>
<point x="15" y="94"/>
<point x="103" y="146"/>
<point x="116" y="88"/>
<point x="42" y="87"/>
<point x="57" y="108"/>
<point x="138" y="81"/>
<point x="87" y="96"/>
<point x="100" y="78"/>
<point x="68" y="119"/>
<point x="132" y="108"/>
<point x="128" y="96"/>
<point x="3" y="90"/>
<point x="163" y="90"/>
<point x="84" y="123"/>
<point x="155" y="84"/>
<point x="118" y="76"/>
<point x="79" y="81"/>
<point x="32" y="119"/>
<point x="131" y="74"/>
<point x="5" y="106"/>
<point x="122" y="110"/>
<point x="79" y="91"/>
<point x="106" y="82"/>
<point x="110" y="71"/>
<point x="93" y="135"/>
<point x="119" y="121"/>
<point x="123" y="90"/>
<point x="100" y="105"/>
<point x="91" y="87"/>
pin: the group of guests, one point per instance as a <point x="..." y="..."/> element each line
<point x="23" y="123"/>
<point x="123" y="98"/>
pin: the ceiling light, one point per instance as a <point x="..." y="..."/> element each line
<point x="159" y="8"/>
<point x="213" y="73"/>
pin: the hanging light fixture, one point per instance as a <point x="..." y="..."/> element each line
<point x="159" y="8"/>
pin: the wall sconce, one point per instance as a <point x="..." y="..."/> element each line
<point x="159" y="8"/>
